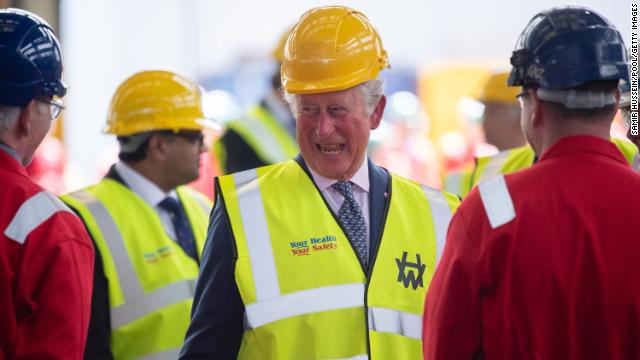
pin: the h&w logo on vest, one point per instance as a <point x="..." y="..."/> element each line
<point x="410" y="272"/>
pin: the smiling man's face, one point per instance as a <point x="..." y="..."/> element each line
<point x="333" y="131"/>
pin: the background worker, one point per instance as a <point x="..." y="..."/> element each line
<point x="265" y="134"/>
<point x="325" y="256"/>
<point x="148" y="229"/>
<point x="46" y="256"/>
<point x="625" y="111"/>
<point x="509" y="159"/>
<point x="543" y="262"/>
<point x="500" y="124"/>
<point x="501" y="116"/>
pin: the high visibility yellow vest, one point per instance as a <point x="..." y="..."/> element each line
<point x="459" y="182"/>
<point x="306" y="296"/>
<point x="151" y="279"/>
<point x="504" y="162"/>
<point x="262" y="132"/>
<point x="512" y="160"/>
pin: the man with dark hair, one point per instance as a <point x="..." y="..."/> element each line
<point x="46" y="256"/>
<point x="148" y="229"/>
<point x="543" y="263"/>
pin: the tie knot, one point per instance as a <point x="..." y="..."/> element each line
<point x="344" y="187"/>
<point x="170" y="204"/>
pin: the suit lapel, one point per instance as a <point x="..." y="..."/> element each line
<point x="379" y="190"/>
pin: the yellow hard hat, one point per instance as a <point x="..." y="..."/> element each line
<point x="155" y="100"/>
<point x="278" y="51"/>
<point x="496" y="90"/>
<point x="331" y="48"/>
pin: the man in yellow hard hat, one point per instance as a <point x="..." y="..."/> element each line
<point x="325" y="256"/>
<point x="500" y="124"/>
<point x="265" y="134"/>
<point x="501" y="116"/>
<point x="147" y="228"/>
<point x="502" y="111"/>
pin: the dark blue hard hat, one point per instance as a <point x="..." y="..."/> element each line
<point x="624" y="86"/>
<point x="30" y="59"/>
<point x="565" y="47"/>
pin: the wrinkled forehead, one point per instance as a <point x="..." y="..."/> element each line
<point x="349" y="97"/>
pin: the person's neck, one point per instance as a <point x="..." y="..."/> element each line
<point x="153" y="173"/>
<point x="18" y="147"/>
<point x="561" y="129"/>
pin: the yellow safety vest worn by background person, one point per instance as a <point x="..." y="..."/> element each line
<point x="151" y="279"/>
<point x="305" y="293"/>
<point x="459" y="181"/>
<point x="512" y="160"/>
<point x="271" y="142"/>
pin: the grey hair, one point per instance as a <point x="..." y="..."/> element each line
<point x="8" y="117"/>
<point x="371" y="91"/>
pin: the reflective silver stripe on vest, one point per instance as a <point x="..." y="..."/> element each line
<point x="395" y="322"/>
<point x="206" y="207"/>
<point x="497" y="201"/>
<point x="127" y="276"/>
<point x="32" y="213"/>
<point x="151" y="302"/>
<point x="172" y="354"/>
<point x="256" y="232"/>
<point x="304" y="302"/>
<point x="494" y="165"/>
<point x="267" y="141"/>
<point x="453" y="183"/>
<point x="441" y="215"/>
<point x="357" y="357"/>
<point x="137" y="304"/>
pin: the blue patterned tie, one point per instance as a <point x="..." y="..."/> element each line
<point x="184" y="235"/>
<point x="351" y="218"/>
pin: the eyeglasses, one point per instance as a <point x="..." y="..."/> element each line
<point x="55" y="107"/>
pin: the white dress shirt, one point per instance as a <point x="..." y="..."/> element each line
<point x="360" y="192"/>
<point x="149" y="192"/>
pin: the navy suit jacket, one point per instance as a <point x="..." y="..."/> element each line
<point x="217" y="317"/>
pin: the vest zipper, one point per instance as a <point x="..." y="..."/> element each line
<point x="367" y="272"/>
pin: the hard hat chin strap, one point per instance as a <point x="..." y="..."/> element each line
<point x="575" y="99"/>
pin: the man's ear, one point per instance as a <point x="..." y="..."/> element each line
<point x="24" y="124"/>
<point x="157" y="147"/>
<point x="376" y="116"/>
<point x="537" y="109"/>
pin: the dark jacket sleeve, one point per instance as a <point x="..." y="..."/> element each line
<point x="239" y="155"/>
<point x="99" y="336"/>
<point x="217" y="316"/>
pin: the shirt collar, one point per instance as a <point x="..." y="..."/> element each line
<point x="360" y="178"/>
<point x="583" y="144"/>
<point x="143" y="187"/>
<point x="14" y="154"/>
